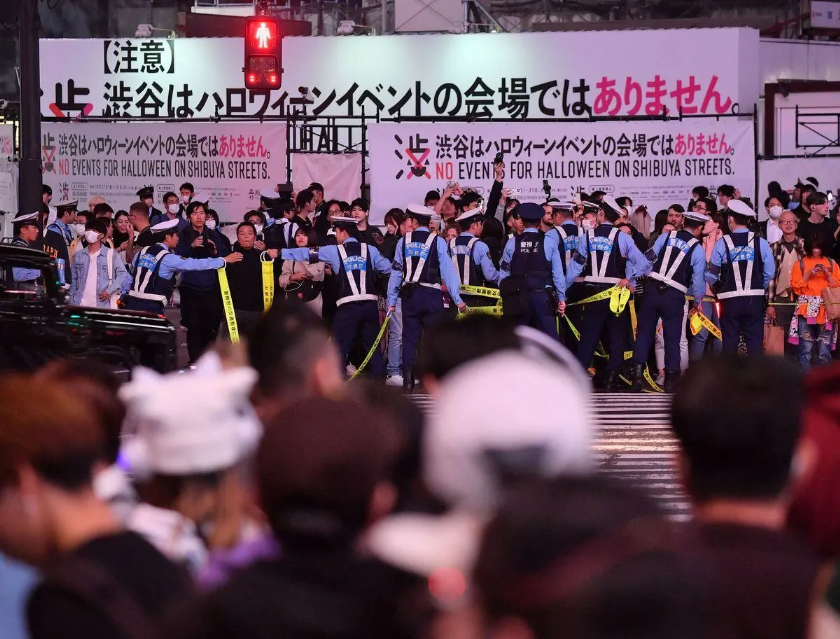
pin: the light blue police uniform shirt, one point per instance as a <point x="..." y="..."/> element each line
<point x="719" y="258"/>
<point x="552" y="254"/>
<point x="637" y="264"/>
<point x="481" y="256"/>
<point x="448" y="274"/>
<point x="329" y="254"/>
<point x="697" y="286"/>
<point x="171" y="263"/>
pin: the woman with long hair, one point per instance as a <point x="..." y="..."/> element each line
<point x="304" y="281"/>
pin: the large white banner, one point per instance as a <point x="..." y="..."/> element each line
<point x="229" y="162"/>
<point x="508" y="75"/>
<point x="339" y="173"/>
<point x="655" y="163"/>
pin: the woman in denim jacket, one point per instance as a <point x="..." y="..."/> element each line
<point x="111" y="277"/>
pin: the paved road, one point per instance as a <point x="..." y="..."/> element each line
<point x="634" y="443"/>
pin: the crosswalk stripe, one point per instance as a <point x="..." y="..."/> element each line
<point x="633" y="443"/>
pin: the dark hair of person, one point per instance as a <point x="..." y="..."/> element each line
<point x="330" y="204"/>
<point x="97" y="385"/>
<point x="816" y="198"/>
<point x="315" y="186"/>
<point x="317" y="466"/>
<point x="590" y="558"/>
<point x="453" y="343"/>
<point x="470" y="198"/>
<point x="678" y="208"/>
<point x="624" y="201"/>
<point x="139" y="208"/>
<point x="726" y="189"/>
<point x="690" y="223"/>
<point x="464" y="225"/>
<point x="304" y="198"/>
<point x="96" y="225"/>
<point x="103" y="209"/>
<point x="119" y="214"/>
<point x="396" y="217"/>
<point x="596" y="196"/>
<point x="711" y="205"/>
<point x="741" y="446"/>
<point x="212" y="213"/>
<point x="660" y="220"/>
<point x="188" y="186"/>
<point x="284" y="346"/>
<point x="806" y="189"/>
<point x="610" y="214"/>
<point x="431" y="196"/>
<point x="362" y="203"/>
<point x="345" y="207"/>
<point x="312" y="236"/>
<point x="84" y="214"/>
<point x="818" y="240"/>
<point x="63" y="451"/>
<point x="170" y="194"/>
<point x="247" y="217"/>
<point x="767" y="200"/>
<point x="741" y="220"/>
<point x="701" y="192"/>
<point x="193" y="206"/>
<point x="493" y="228"/>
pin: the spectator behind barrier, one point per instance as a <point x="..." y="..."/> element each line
<point x="738" y="423"/>
<point x="52" y="519"/>
<point x="589" y="559"/>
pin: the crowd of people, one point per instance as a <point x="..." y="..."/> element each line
<point x="627" y="291"/>
<point x="261" y="495"/>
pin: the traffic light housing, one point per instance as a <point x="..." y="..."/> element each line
<point x="263" y="53"/>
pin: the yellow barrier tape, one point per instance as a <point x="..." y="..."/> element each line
<point x="267" y="284"/>
<point x="600" y="352"/>
<point x="653" y="384"/>
<point x="595" y="298"/>
<point x="483" y="291"/>
<point x="482" y="310"/>
<point x="372" y="350"/>
<point x="227" y="302"/>
<point x="706" y="323"/>
<point x="633" y="319"/>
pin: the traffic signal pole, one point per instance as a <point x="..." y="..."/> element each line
<point x="29" y="181"/>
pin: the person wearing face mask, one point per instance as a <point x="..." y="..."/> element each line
<point x="201" y="300"/>
<point x="769" y="229"/>
<point x="99" y="273"/>
<point x="187" y="191"/>
<point x="173" y="211"/>
<point x="77" y="228"/>
<point x="214" y="225"/>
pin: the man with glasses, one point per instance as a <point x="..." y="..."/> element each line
<point x="786" y="252"/>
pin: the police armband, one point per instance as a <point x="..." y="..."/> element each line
<point x="580" y="259"/>
<point x="313" y="255"/>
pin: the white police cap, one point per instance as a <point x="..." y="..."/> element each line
<point x="469" y="215"/>
<point x="165" y="226"/>
<point x="741" y="208"/>
<point x="269" y="194"/>
<point x="420" y="211"/>
<point x="340" y="219"/>
<point x="699" y="217"/>
<point x="25" y="217"/>
<point x="609" y="200"/>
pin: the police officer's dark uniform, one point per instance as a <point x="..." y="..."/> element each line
<point x="355" y="265"/>
<point x="471" y="258"/>
<point x="532" y="280"/>
<point x="148" y="192"/>
<point x="58" y="237"/>
<point x="605" y="257"/>
<point x="421" y="266"/>
<point x="24" y="278"/>
<point x="568" y="234"/>
<point x="739" y="272"/>
<point x="154" y="270"/>
<point x="679" y="269"/>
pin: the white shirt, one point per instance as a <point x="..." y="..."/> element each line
<point x="774" y="233"/>
<point x="89" y="294"/>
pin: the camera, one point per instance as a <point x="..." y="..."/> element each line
<point x="500" y="157"/>
<point x="546" y="188"/>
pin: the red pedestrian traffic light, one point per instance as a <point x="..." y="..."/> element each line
<point x="263" y="53"/>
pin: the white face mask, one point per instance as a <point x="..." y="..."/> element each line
<point x="92" y="236"/>
<point x="210" y="224"/>
<point x="173" y="208"/>
<point x="259" y="228"/>
<point x="77" y="229"/>
<point x="587" y="224"/>
<point x="185" y="199"/>
<point x="775" y="212"/>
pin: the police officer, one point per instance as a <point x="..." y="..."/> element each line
<point x="58" y="236"/>
<point x="155" y="266"/>
<point x="567" y="234"/>
<point x="606" y="257"/>
<point x="679" y="269"/>
<point x="534" y="260"/>
<point x="26" y="235"/>
<point x="471" y="257"/>
<point x="354" y="263"/>
<point x="739" y="271"/>
<point x="421" y="265"/>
